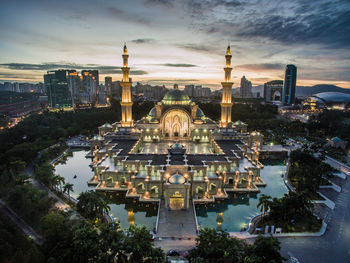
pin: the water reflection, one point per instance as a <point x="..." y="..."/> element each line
<point x="234" y="213"/>
<point x="76" y="170"/>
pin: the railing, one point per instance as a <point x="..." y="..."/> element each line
<point x="195" y="216"/>
<point x="157" y="222"/>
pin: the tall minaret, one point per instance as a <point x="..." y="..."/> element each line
<point x="126" y="102"/>
<point x="226" y="102"/>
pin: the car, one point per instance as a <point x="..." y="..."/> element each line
<point x="173" y="253"/>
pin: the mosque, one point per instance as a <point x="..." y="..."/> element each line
<point x="176" y="154"/>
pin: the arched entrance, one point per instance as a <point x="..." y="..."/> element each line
<point x="277" y="96"/>
<point x="177" y="201"/>
<point x="176" y="123"/>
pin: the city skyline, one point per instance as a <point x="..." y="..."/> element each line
<point x="180" y="42"/>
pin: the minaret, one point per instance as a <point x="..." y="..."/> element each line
<point x="226" y="102"/>
<point x="126" y="102"/>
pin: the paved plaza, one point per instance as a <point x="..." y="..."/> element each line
<point x="176" y="223"/>
<point x="162" y="147"/>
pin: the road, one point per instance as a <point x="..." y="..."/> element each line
<point x="334" y="245"/>
<point x="7" y="211"/>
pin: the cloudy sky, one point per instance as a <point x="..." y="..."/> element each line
<point x="178" y="41"/>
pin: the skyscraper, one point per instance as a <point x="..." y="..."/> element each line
<point x="90" y="83"/>
<point x="290" y="79"/>
<point x="108" y="85"/>
<point x="246" y="88"/>
<point x="59" y="94"/>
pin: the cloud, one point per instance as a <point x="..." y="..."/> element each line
<point x="103" y="69"/>
<point x="195" y="47"/>
<point x="128" y="17"/>
<point x="323" y="23"/>
<point x="143" y="40"/>
<point x="260" y="67"/>
<point x="178" y="65"/>
<point x="166" y="3"/>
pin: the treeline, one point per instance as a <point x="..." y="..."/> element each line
<point x="330" y="123"/>
<point x="258" y="116"/>
<point x="294" y="211"/>
<point x="217" y="246"/>
<point x="40" y="131"/>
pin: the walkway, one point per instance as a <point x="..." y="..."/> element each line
<point x="176" y="224"/>
<point x="334" y="245"/>
<point x="7" y="211"/>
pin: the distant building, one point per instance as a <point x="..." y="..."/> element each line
<point x="336" y="142"/>
<point x="149" y="92"/>
<point x="273" y="91"/>
<point x="246" y="88"/>
<point x="90" y="83"/>
<point x="58" y="92"/>
<point x="206" y="92"/>
<point x="288" y="95"/>
<point x="327" y="100"/>
<point x="189" y="90"/>
<point x="108" y="85"/>
<point x="74" y="83"/>
<point x="197" y="91"/>
<point x="116" y="90"/>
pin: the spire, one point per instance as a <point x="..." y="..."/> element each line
<point x="228" y="51"/>
<point x="125" y="48"/>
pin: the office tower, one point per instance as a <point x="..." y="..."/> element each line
<point x="126" y="102"/>
<point x="74" y="84"/>
<point x="246" y="88"/>
<point x="108" y="85"/>
<point x="206" y="92"/>
<point x="189" y="90"/>
<point x="226" y="102"/>
<point x="273" y="90"/>
<point x="90" y="83"/>
<point x="59" y="94"/>
<point x="290" y="79"/>
<point x="197" y="93"/>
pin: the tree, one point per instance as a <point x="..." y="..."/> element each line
<point x="138" y="244"/>
<point x="85" y="244"/>
<point x="264" y="203"/>
<point x="67" y="188"/>
<point x="265" y="249"/>
<point x="92" y="205"/>
<point x="217" y="246"/>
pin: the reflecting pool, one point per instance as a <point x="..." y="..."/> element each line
<point x="234" y="213"/>
<point x="76" y="170"/>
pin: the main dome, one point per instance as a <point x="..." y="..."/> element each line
<point x="176" y="97"/>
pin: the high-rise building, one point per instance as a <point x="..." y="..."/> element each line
<point x="116" y="90"/>
<point x="90" y="83"/>
<point x="226" y="102"/>
<point x="108" y="85"/>
<point x="126" y="101"/>
<point x="74" y="84"/>
<point x="189" y="90"/>
<point x="290" y="79"/>
<point x="59" y="94"/>
<point x="246" y="88"/>
<point x="273" y="90"/>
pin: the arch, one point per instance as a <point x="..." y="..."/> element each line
<point x="176" y="123"/>
<point x="276" y="96"/>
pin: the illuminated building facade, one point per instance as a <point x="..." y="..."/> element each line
<point x="176" y="153"/>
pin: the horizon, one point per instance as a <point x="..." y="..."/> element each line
<point x="182" y="42"/>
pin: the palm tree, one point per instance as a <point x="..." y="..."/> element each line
<point x="61" y="181"/>
<point x="67" y="188"/>
<point x="264" y="203"/>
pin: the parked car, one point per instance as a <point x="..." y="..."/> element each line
<point x="173" y="253"/>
